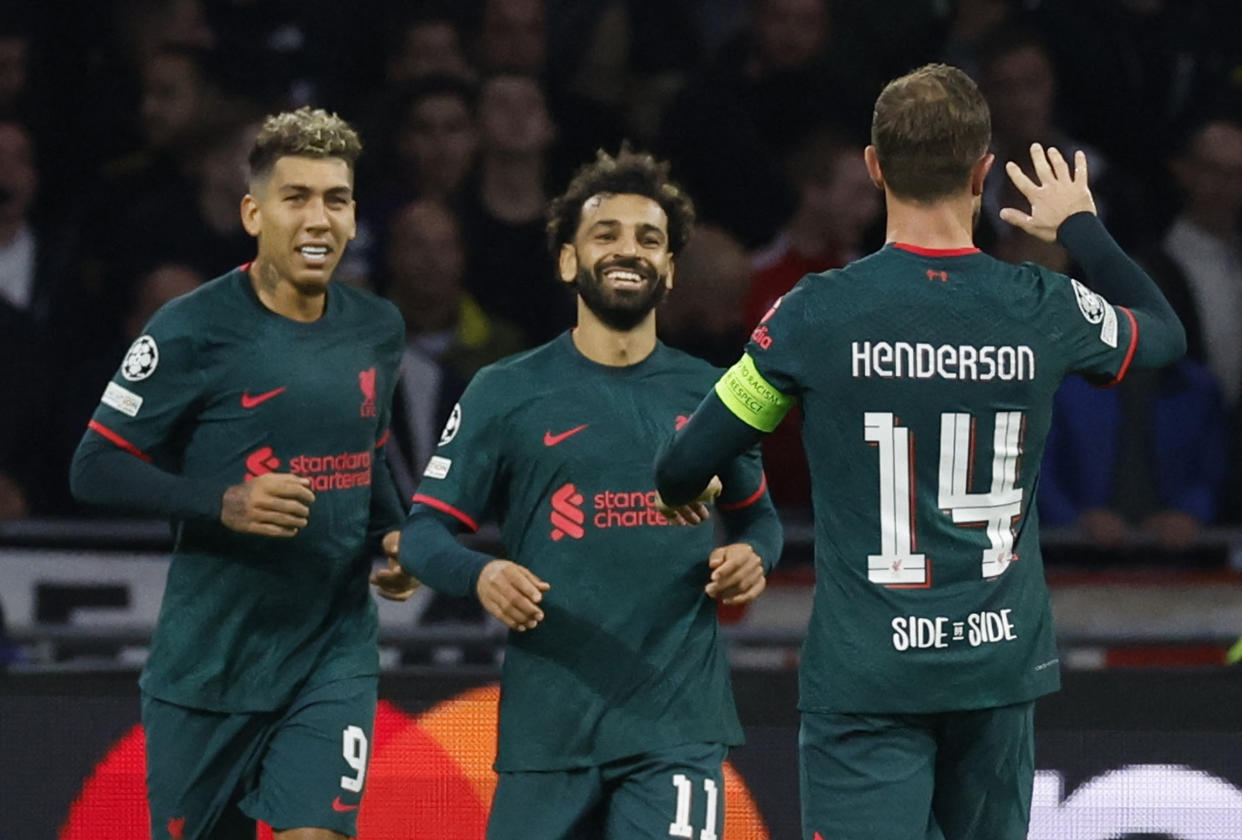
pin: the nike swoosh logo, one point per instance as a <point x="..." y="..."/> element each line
<point x="550" y="439"/>
<point x="248" y="401"/>
<point x="341" y="808"/>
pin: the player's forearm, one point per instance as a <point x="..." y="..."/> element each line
<point x="701" y="449"/>
<point x="430" y="552"/>
<point x="757" y="524"/>
<point x="103" y="475"/>
<point x="387" y="509"/>
<point x="1112" y="273"/>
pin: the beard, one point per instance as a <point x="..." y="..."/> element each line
<point x="621" y="309"/>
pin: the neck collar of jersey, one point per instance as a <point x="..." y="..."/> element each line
<point x="935" y="252"/>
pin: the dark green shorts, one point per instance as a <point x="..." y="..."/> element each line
<point x="954" y="775"/>
<point x="673" y="793"/>
<point x="211" y="775"/>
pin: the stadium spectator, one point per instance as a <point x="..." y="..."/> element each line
<point x="787" y="73"/>
<point x="512" y="36"/>
<point x="837" y="207"/>
<point x="510" y="272"/>
<point x="1204" y="243"/>
<point x="448" y="335"/>
<point x="1145" y="458"/>
<point x="705" y="318"/>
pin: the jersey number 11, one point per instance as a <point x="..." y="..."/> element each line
<point x="899" y="564"/>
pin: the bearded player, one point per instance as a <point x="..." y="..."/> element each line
<point x="616" y="711"/>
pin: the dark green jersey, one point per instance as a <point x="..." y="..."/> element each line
<point x="926" y="380"/>
<point x="559" y="450"/>
<point x="221" y="388"/>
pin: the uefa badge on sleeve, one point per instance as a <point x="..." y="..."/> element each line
<point x="451" y="427"/>
<point x="141" y="360"/>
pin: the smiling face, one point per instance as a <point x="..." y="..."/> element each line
<point x="303" y="216"/>
<point x="619" y="258"/>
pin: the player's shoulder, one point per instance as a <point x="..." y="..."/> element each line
<point x="536" y="359"/>
<point x="817" y="297"/>
<point x="1036" y="284"/>
<point x="520" y="374"/>
<point x="197" y="313"/>
<point x="366" y="306"/>
<point x="671" y="360"/>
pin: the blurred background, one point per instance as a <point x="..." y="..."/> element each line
<point x="124" y="126"/>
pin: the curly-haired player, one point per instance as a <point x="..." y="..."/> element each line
<point x="615" y="711"/>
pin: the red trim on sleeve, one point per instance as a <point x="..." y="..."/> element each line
<point x="96" y="426"/>
<point x="445" y="507"/>
<point x="935" y="252"/>
<point x="751" y="499"/>
<point x="383" y="439"/>
<point x="1125" y="364"/>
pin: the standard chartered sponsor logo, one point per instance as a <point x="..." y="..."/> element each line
<point x="608" y="509"/>
<point x="921" y="360"/>
<point x="913" y="632"/>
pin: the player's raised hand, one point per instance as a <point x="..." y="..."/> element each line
<point x="694" y="512"/>
<point x="1058" y="194"/>
<point x="269" y="505"/>
<point x="394" y="582"/>
<point x="512" y="594"/>
<point x="737" y="574"/>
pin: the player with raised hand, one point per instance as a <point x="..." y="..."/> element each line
<point x="926" y="373"/>
<point x="616" y="710"/>
<point x="252" y="412"/>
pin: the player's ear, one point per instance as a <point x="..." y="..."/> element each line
<point x="567" y="263"/>
<point x="979" y="173"/>
<point x="672" y="269"/>
<point x="353" y="220"/>
<point x="873" y="166"/>
<point x="251" y="216"/>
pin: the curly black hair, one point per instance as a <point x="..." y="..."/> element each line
<point x="629" y="173"/>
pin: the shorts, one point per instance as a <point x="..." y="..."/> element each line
<point x="210" y="775"/>
<point x="954" y="775"/>
<point x="677" y="793"/>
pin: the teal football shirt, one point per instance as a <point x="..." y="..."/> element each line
<point x="220" y="388"/>
<point x="926" y="379"/>
<point x="559" y="450"/>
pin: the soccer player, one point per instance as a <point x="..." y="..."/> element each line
<point x="616" y="710"/>
<point x="926" y="373"/>
<point x="252" y="412"/>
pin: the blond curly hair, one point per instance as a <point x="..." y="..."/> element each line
<point x="306" y="132"/>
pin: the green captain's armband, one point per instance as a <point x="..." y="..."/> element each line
<point x="748" y="395"/>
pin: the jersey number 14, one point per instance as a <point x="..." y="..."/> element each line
<point x="899" y="564"/>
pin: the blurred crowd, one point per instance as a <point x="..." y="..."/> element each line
<point x="124" y="126"/>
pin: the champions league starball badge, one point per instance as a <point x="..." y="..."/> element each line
<point x="141" y="360"/>
<point x="1089" y="303"/>
<point x="451" y="427"/>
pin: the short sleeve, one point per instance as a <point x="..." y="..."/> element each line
<point x="160" y="379"/>
<point x="461" y="478"/>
